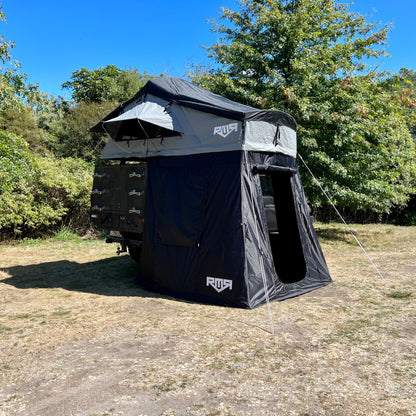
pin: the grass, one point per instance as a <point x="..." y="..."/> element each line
<point x="66" y="234"/>
<point x="71" y="316"/>
<point x="374" y="235"/>
<point x="21" y="316"/>
<point x="61" y="313"/>
<point x="63" y="235"/>
<point x="5" y="329"/>
<point x="397" y="294"/>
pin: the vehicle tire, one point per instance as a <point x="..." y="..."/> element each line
<point x="135" y="252"/>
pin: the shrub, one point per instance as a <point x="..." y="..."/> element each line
<point x="16" y="162"/>
<point x="65" y="184"/>
<point x="40" y="194"/>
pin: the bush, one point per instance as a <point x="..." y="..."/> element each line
<point x="16" y="163"/>
<point x="72" y="132"/>
<point x="24" y="123"/>
<point x="40" y="194"/>
<point x="65" y="185"/>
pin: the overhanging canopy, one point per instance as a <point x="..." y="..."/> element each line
<point x="195" y="120"/>
<point x="143" y="120"/>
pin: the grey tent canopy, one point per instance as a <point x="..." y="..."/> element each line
<point x="185" y="94"/>
<point x="211" y="165"/>
<point x="170" y="116"/>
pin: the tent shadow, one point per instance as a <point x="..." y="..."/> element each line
<point x="110" y="277"/>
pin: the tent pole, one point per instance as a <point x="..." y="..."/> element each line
<point x="349" y="228"/>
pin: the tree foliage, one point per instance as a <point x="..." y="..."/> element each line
<point x="72" y="131"/>
<point x="95" y="92"/>
<point x="15" y="162"/>
<point x="38" y="194"/>
<point x="39" y="191"/>
<point x="404" y="85"/>
<point x="306" y="57"/>
<point x="24" y="123"/>
<point x="12" y="83"/>
<point x="105" y="84"/>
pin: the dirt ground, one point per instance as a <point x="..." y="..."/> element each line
<point x="78" y="338"/>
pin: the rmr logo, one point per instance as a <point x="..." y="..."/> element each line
<point x="219" y="284"/>
<point x="224" y="131"/>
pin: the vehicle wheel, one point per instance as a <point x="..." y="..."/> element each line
<point x="134" y="252"/>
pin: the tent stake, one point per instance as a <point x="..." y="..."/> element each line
<point x="349" y="228"/>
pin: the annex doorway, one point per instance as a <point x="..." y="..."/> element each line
<point x="282" y="224"/>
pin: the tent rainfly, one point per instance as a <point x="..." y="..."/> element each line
<point x="211" y="164"/>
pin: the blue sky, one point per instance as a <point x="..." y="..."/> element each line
<point x="54" y="38"/>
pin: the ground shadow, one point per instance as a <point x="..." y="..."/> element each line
<point x="336" y="234"/>
<point x="111" y="277"/>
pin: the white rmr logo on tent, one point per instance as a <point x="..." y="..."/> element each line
<point x="224" y="131"/>
<point x="219" y="284"/>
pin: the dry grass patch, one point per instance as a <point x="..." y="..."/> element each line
<point x="78" y="338"/>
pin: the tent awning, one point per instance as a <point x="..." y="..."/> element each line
<point x="146" y="120"/>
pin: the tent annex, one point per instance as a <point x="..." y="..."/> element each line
<point x="226" y="218"/>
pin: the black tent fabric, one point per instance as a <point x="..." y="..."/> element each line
<point x="207" y="235"/>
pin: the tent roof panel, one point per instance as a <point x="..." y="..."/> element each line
<point x="186" y="94"/>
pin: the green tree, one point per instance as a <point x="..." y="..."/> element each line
<point x="95" y="93"/>
<point x="12" y="83"/>
<point x="306" y="57"/>
<point x="72" y="132"/>
<point x="37" y="117"/>
<point x="24" y="123"/>
<point x="15" y="162"/>
<point x="105" y="84"/>
<point x="38" y="194"/>
<point x="404" y="84"/>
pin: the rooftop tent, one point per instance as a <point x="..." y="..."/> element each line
<point x="214" y="169"/>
